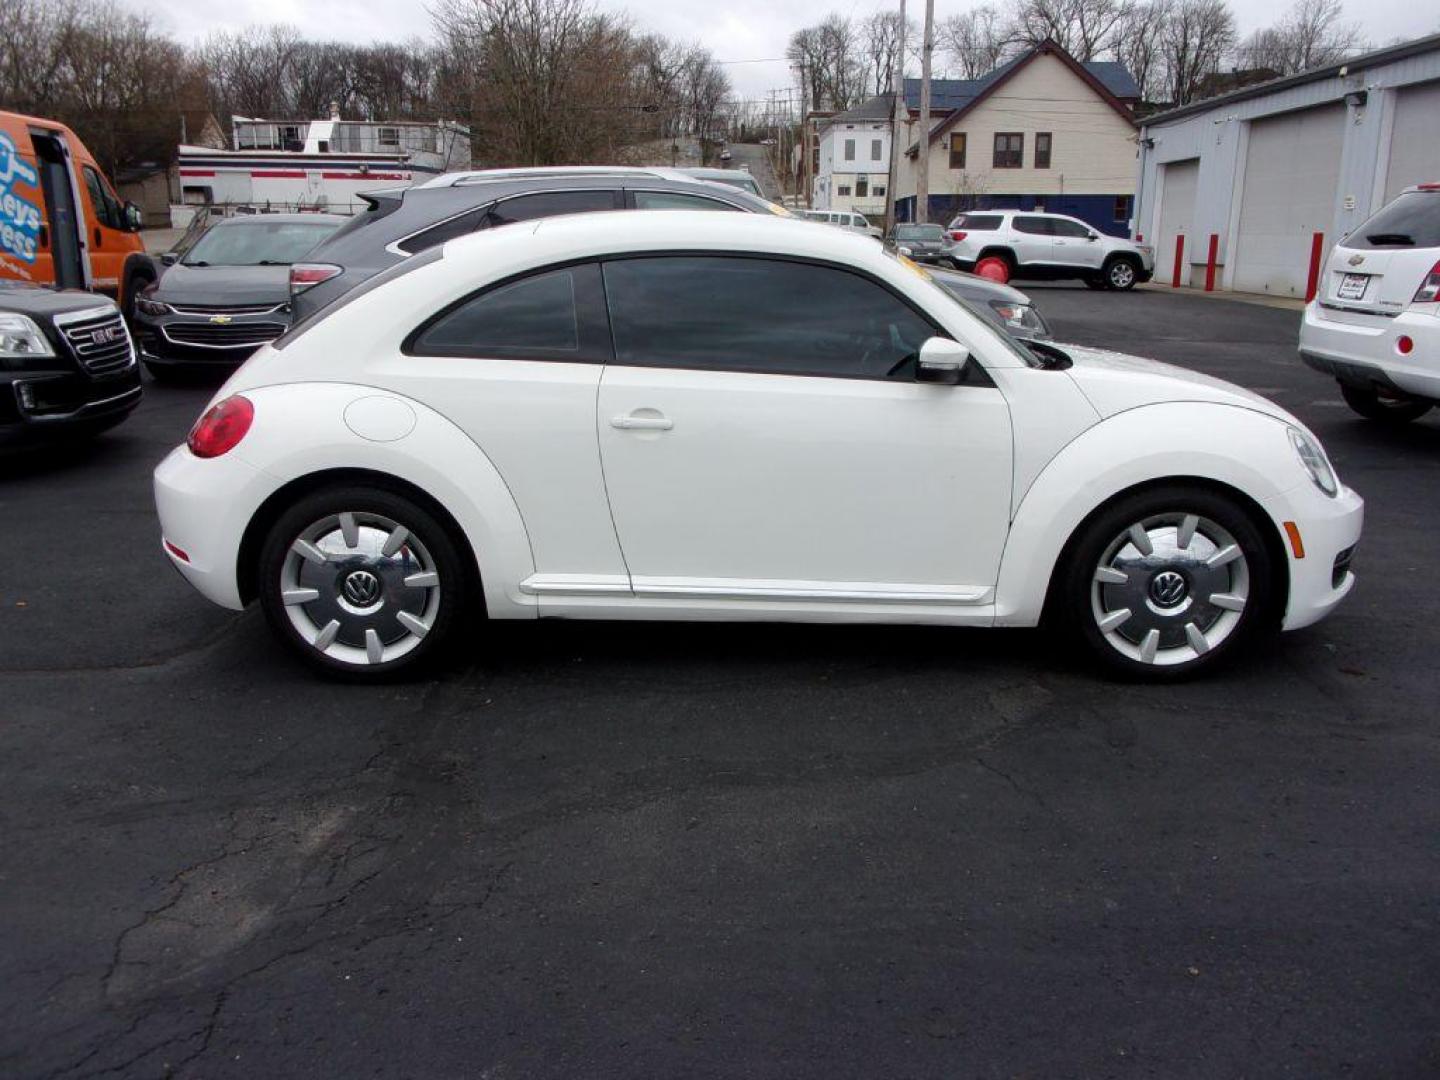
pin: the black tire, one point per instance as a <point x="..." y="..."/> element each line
<point x="1368" y="402"/>
<point x="133" y="288"/>
<point x="428" y="547"/>
<point x="1121" y="273"/>
<point x="1082" y="598"/>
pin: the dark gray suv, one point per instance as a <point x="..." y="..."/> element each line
<point x="401" y="222"/>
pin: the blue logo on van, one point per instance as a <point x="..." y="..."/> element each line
<point x="19" y="218"/>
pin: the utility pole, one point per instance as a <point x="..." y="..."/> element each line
<point x="897" y="115"/>
<point x="804" y="136"/>
<point x="922" y="160"/>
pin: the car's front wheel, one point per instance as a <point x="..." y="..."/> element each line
<point x="1120" y="274"/>
<point x="361" y="582"/>
<point x="1388" y="409"/>
<point x="1168" y="581"/>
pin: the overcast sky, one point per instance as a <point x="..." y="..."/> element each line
<point x="733" y="29"/>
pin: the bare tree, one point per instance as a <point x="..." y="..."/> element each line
<point x="1083" y="28"/>
<point x="1196" y="34"/>
<point x="880" y="38"/>
<point x="1310" y="35"/>
<point x="974" y="42"/>
<point x="1139" y="44"/>
<point x="831" y="62"/>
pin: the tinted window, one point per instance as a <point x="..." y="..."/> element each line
<point x="446" y="230"/>
<point x="554" y="315"/>
<point x="1412" y="220"/>
<point x="677" y="200"/>
<point x="765" y="315"/>
<point x="1061" y="227"/>
<point x="979" y="222"/>
<point x="1036" y="226"/>
<point x="545" y="204"/>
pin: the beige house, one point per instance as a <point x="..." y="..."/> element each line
<point x="1042" y="132"/>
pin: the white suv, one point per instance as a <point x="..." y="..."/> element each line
<point x="1375" y="321"/>
<point x="1001" y="244"/>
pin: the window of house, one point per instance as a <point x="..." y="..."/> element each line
<point x="862" y="188"/>
<point x="388" y="136"/>
<point x="1122" y="207"/>
<point x="957" y="150"/>
<point x="723" y="313"/>
<point x="849" y="149"/>
<point x="879" y="190"/>
<point x="551" y="315"/>
<point x="1009" y="150"/>
<point x="1042" y="149"/>
<point x="842" y="189"/>
<point x="875" y="149"/>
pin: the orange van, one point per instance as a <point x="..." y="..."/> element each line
<point x="61" y="223"/>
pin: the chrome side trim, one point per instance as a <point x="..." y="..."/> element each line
<point x="839" y="592"/>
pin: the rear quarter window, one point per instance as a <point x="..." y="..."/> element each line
<point x="979" y="222"/>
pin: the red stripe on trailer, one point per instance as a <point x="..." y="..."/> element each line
<point x="357" y="175"/>
<point x="277" y="174"/>
<point x="197" y="172"/>
<point x="1317" y="252"/>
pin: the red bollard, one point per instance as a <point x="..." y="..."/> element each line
<point x="1210" y="262"/>
<point x="1179" y="257"/>
<point x="1317" y="252"/>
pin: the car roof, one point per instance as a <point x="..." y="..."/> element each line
<point x="466" y="177"/>
<point x="281" y="219"/>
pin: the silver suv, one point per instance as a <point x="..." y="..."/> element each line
<point x="1001" y="244"/>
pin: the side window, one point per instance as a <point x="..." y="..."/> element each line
<point x="773" y="316"/>
<point x="1035" y="226"/>
<point x="552" y="315"/>
<point x="107" y="208"/>
<point x="1063" y="227"/>
<point x="677" y="200"/>
<point x="446" y="230"/>
<point x="545" y="204"/>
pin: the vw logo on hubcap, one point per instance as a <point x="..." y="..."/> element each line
<point x="361" y="588"/>
<point x="1168" y="588"/>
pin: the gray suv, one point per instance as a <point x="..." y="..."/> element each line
<point x="401" y="222"/>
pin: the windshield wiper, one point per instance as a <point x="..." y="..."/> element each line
<point x="1398" y="239"/>
<point x="198" y="262"/>
<point x="271" y="262"/>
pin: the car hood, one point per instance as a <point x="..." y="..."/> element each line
<point x="1114" y="382"/>
<point x="224" y="285"/>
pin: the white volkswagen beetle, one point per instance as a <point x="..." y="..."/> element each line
<point x="723" y="416"/>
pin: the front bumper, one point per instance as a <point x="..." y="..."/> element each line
<point x="53" y="405"/>
<point x="205" y="505"/>
<point x="1362" y="349"/>
<point x="1329" y="531"/>
<point x="197" y="341"/>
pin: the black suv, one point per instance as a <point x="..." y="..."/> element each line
<point x="67" y="365"/>
<point x="404" y="221"/>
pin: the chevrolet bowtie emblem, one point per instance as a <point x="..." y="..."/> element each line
<point x="220" y="319"/>
<point x="1356" y="260"/>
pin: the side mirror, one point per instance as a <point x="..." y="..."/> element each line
<point x="903" y="250"/>
<point x="134" y="219"/>
<point x="169" y="258"/>
<point x="1093" y="237"/>
<point x="942" y="361"/>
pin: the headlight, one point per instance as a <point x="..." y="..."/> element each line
<point x="1315" y="462"/>
<point x="151" y="307"/>
<point x="1019" y="316"/>
<point x="20" y="337"/>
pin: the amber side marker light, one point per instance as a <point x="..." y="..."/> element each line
<point x="1296" y="544"/>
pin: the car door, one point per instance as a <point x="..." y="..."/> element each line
<point x="763" y="438"/>
<point x="1072" y="245"/>
<point x="1033" y="240"/>
<point x="516" y="365"/>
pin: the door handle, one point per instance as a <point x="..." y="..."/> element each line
<point x="641" y="423"/>
<point x="97" y="236"/>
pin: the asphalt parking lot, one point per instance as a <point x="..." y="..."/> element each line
<point x="687" y="851"/>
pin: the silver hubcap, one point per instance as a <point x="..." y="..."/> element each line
<point x="360" y="588"/>
<point x="1121" y="274"/>
<point x="1170" y="588"/>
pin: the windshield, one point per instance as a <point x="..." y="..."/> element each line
<point x="1412" y="220"/>
<point x="744" y="183"/>
<point x="256" y="242"/>
<point x="919" y="232"/>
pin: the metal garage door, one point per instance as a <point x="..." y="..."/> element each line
<point x="1292" y="170"/>
<point x="1177" y="214"/>
<point x="1414" y="147"/>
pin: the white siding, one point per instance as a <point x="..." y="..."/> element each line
<point x="1415" y="139"/>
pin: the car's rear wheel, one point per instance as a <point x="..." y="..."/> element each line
<point x="1386" y="408"/>
<point x="1167" y="581"/>
<point x="1120" y="274"/>
<point x="994" y="268"/>
<point x="361" y="582"/>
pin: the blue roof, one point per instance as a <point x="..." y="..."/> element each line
<point x="947" y="95"/>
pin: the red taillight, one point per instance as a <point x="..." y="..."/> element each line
<point x="1404" y="345"/>
<point x="957" y="236"/>
<point x="1428" y="187"/>
<point x="222" y="427"/>
<point x="1139" y="238"/>
<point x="307" y="275"/>
<point x="1429" y="290"/>
<point x="177" y="551"/>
